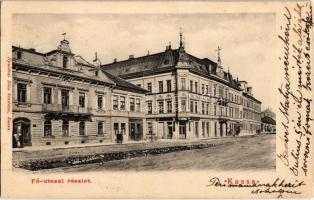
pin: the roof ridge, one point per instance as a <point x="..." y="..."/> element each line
<point x="135" y="58"/>
<point x="111" y="76"/>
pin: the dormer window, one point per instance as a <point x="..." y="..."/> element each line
<point x="96" y="73"/>
<point x="65" y="62"/>
<point x="19" y="55"/>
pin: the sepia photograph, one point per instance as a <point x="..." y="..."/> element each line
<point x="143" y="99"/>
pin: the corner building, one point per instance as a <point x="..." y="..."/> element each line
<point x="59" y="99"/>
<point x="189" y="97"/>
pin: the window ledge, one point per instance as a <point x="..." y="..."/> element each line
<point x="49" y="137"/>
<point x="22" y="103"/>
<point x="100" y="135"/>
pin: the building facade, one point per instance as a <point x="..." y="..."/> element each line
<point x="268" y="121"/>
<point x="59" y="99"/>
<point x="189" y="97"/>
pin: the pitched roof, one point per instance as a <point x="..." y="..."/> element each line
<point x="38" y="60"/>
<point x="143" y="63"/>
<point x="268" y="120"/>
<point x="164" y="62"/>
<point x="121" y="83"/>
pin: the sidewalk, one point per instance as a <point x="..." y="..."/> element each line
<point x="30" y="149"/>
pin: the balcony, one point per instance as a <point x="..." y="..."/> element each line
<point x="25" y="106"/>
<point x="222" y="101"/>
<point x="58" y="108"/>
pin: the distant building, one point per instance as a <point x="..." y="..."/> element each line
<point x="190" y="97"/>
<point x="60" y="99"/>
<point x="268" y="121"/>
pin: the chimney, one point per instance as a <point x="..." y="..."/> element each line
<point x="131" y="56"/>
<point x="249" y="90"/>
<point x="115" y="60"/>
<point x="32" y="50"/>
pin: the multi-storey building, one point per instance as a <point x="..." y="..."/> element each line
<point x="189" y="97"/>
<point x="59" y="98"/>
<point x="268" y="118"/>
<point x="251" y="110"/>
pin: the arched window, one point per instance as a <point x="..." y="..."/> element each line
<point x="82" y="128"/>
<point x="47" y="128"/>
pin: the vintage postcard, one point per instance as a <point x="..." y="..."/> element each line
<point x="156" y="99"/>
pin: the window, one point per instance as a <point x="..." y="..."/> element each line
<point x="191" y="106"/>
<point x="47" y="95"/>
<point x="65" y="62"/>
<point x="122" y="103"/>
<point x="220" y="92"/>
<point x="132" y="104"/>
<point x="116" y="128"/>
<point x="65" y="99"/>
<point x="206" y="91"/>
<point x="123" y="128"/>
<point x="138" y="105"/>
<point x="100" y="128"/>
<point x="206" y="108"/>
<point x="149" y="87"/>
<point x="203" y="89"/>
<point x="183" y="105"/>
<point x="203" y="108"/>
<point x="161" y="107"/>
<point x="82" y="100"/>
<point x="82" y="128"/>
<point x="115" y="102"/>
<point x="183" y="84"/>
<point x="168" y="85"/>
<point x="195" y="106"/>
<point x="196" y="87"/>
<point x="96" y="73"/>
<point x="196" y="129"/>
<point x="19" y="55"/>
<point x="215" y="92"/>
<point x="203" y="129"/>
<point x="21" y="92"/>
<point x="182" y="128"/>
<point x="207" y="128"/>
<point x="169" y="106"/>
<point x="65" y="128"/>
<point x="191" y="85"/>
<point x="99" y="101"/>
<point x="161" y="86"/>
<point x="47" y="128"/>
<point x="150" y="128"/>
<point x="149" y="107"/>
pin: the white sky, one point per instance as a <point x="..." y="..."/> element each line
<point x="247" y="40"/>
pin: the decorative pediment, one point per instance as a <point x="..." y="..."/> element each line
<point x="183" y="95"/>
<point x="160" y="97"/>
